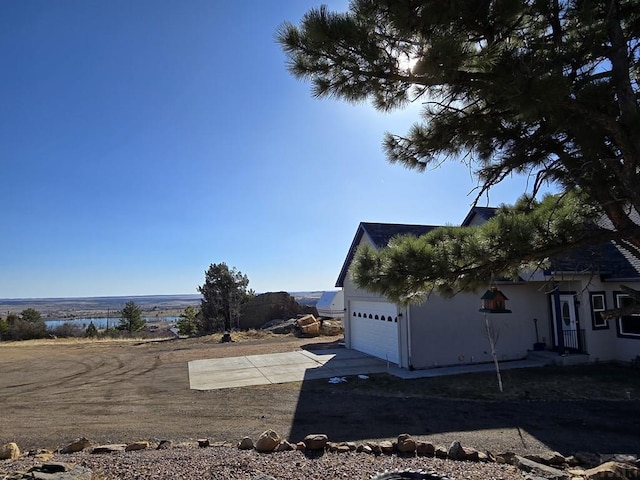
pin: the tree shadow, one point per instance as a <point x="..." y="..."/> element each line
<point x="348" y="414"/>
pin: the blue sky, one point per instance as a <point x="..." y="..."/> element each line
<point x="142" y="141"/>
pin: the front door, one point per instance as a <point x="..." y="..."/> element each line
<point x="565" y="314"/>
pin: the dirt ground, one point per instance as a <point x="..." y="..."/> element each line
<point x="115" y="392"/>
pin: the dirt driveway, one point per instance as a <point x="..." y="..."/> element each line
<point x="54" y="392"/>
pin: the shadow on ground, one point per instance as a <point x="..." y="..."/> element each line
<point x="564" y="426"/>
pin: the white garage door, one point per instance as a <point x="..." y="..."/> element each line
<point x="374" y="329"/>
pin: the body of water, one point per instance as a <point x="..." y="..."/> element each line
<point x="101" y="322"/>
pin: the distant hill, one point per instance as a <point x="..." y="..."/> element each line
<point x="91" y="306"/>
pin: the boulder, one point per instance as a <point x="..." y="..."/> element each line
<point x="267" y="442"/>
<point x="587" y="459"/>
<point x="280" y="327"/>
<point x="164" y="445"/>
<point x="406" y="443"/>
<point x="246" y="444"/>
<point x="9" y="451"/>
<point x="269" y="306"/>
<point x="471" y="454"/>
<point x="308" y="326"/>
<point x="316" y="441"/>
<point x="77" y="445"/>
<point x="612" y="471"/>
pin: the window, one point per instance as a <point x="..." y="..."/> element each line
<point x="628" y="325"/>
<point x="598" y="305"/>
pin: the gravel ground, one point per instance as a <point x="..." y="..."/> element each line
<point x="229" y="463"/>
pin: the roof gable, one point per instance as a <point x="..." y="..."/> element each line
<point x="380" y="235"/>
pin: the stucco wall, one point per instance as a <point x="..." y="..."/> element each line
<point x="605" y="344"/>
<point x="452" y="331"/>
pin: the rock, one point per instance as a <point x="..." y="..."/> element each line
<point x="300" y="446"/>
<point x="455" y="451"/>
<point x="58" y="471"/>
<point x="269" y="306"/>
<point x="367" y="449"/>
<point x="539" y="469"/>
<point x="440" y="452"/>
<point x="352" y="445"/>
<point x="77" y="445"/>
<point x="553" y="458"/>
<point x="135" y="446"/>
<point x="279" y="326"/>
<point x="375" y="448"/>
<point x="587" y="459"/>
<point x="386" y="447"/>
<point x="406" y="443"/>
<point x="284" y="446"/>
<point x="203" y="442"/>
<point x="112" y="448"/>
<point x="483" y="457"/>
<point x="343" y="448"/>
<point x="268" y="441"/>
<point x="245" y="444"/>
<point x="9" y="451"/>
<point x="425" y="448"/>
<point x="470" y="454"/>
<point x="41" y="455"/>
<point x="164" y="445"/>
<point x="316" y="441"/>
<point x="506" y="457"/>
<point x="612" y="471"/>
<point x="620" y="457"/>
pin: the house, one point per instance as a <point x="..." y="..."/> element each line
<point x="331" y="304"/>
<point x="557" y="310"/>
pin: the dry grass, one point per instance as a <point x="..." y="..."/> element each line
<point x="590" y="382"/>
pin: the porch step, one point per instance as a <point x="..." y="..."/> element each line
<point x="554" y="358"/>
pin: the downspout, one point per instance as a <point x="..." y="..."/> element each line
<point x="408" y="317"/>
<point x="558" y="319"/>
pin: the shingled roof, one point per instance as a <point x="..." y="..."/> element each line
<point x="610" y="261"/>
<point x="380" y="234"/>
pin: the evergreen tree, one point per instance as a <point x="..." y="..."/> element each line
<point x="223" y="294"/>
<point x="131" y="318"/>
<point x="91" y="331"/>
<point x="189" y="322"/>
<point x="548" y="88"/>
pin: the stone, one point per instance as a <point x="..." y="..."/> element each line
<point x="612" y="471"/>
<point x="440" y="452"/>
<point x="587" y="459"/>
<point x="406" y="443"/>
<point x="77" y="445"/>
<point x="506" y="457"/>
<point x="540" y="469"/>
<point x="58" y="471"/>
<point x="300" y="446"/>
<point x="470" y="454"/>
<point x="316" y="441"/>
<point x="267" y="442"/>
<point x="135" y="446"/>
<point x="552" y="458"/>
<point x="425" y="448"/>
<point x="352" y="445"/>
<point x="343" y="448"/>
<point x="9" y="451"/>
<point x="245" y="444"/>
<point x="455" y="451"/>
<point x="386" y="447"/>
<point x="483" y="457"/>
<point x="111" y="448"/>
<point x="367" y="449"/>
<point x="42" y="455"/>
<point x="375" y="448"/>
<point x="620" y="457"/>
<point x="269" y="306"/>
<point x="284" y="446"/>
<point x="164" y="445"/>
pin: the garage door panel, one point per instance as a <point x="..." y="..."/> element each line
<point x="374" y="329"/>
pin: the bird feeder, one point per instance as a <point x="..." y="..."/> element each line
<point x="494" y="301"/>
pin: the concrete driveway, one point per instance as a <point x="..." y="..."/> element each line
<point x="217" y="373"/>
